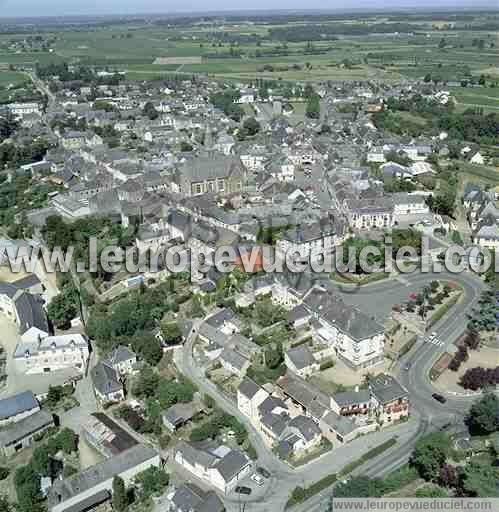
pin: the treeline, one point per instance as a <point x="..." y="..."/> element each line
<point x="224" y="101"/>
<point x="77" y="74"/>
<point x="320" y="32"/>
<point x="15" y="155"/>
<point x="467" y="126"/>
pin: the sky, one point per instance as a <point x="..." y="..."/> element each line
<point x="31" y="8"/>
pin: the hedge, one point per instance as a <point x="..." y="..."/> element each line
<point x="299" y="494"/>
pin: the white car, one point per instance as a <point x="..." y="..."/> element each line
<point x="257" y="479"/>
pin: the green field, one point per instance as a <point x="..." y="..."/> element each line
<point x="485" y="97"/>
<point x="11" y="77"/>
<point x="248" y="50"/>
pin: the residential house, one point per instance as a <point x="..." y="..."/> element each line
<point x="249" y="398"/>
<point x="234" y="362"/>
<point x="300" y="435"/>
<point x="487" y="236"/>
<point x="301" y="361"/>
<point x="358" y="339"/>
<point x="223" y="468"/>
<point x="310" y="241"/>
<point x="107" y="383"/>
<point x="372" y="213"/>
<point x="190" y="498"/>
<point x="52" y="353"/>
<point x="390" y="399"/>
<point x="122" y="359"/>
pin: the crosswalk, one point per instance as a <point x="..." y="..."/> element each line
<point x="434" y="341"/>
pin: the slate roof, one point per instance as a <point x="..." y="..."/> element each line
<point x="248" y="387"/>
<point x="105" y="379"/>
<point x="275" y="423"/>
<point x="308" y="232"/>
<point x="29" y="307"/>
<point x="89" y="478"/>
<point x="340" y="424"/>
<point x="17" y="404"/>
<point x="306" y="427"/>
<point x="27" y="426"/>
<point x="231" y="464"/>
<point x="346" y="318"/>
<point x="233" y="358"/>
<point x="301" y="357"/>
<point x="50" y="342"/>
<point x="210" y="166"/>
<point x="347" y="398"/>
<point x="120" y="354"/>
<point x="179" y="413"/>
<point x="386" y="388"/>
<point x="189" y="497"/>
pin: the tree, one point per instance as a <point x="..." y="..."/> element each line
<point x="430" y="453"/>
<point x="197" y="310"/>
<point x="484" y="415"/>
<point x="171" y="333"/>
<point x="313" y="108"/>
<point x="54" y="395"/>
<point x="185" y="147"/>
<point x="152" y="351"/>
<point x="68" y="440"/>
<point x="150" y="111"/>
<point x="447" y="476"/>
<point x="479" y="479"/>
<point x="152" y="481"/>
<point x="146" y="384"/>
<point x="27" y="484"/>
<point x="63" y="308"/>
<point x="251" y="126"/>
<point x="40" y="460"/>
<point x="120" y="499"/>
<point x="4" y="473"/>
<point x="5" y="505"/>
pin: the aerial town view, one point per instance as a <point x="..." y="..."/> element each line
<point x="249" y="256"/>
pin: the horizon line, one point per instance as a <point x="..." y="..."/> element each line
<point x="244" y="10"/>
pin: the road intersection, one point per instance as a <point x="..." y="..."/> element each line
<point x="427" y="414"/>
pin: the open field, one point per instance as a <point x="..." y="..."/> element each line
<point x="482" y="97"/>
<point x="11" y="77"/>
<point x="270" y="49"/>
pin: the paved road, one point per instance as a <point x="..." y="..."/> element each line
<point x="428" y="415"/>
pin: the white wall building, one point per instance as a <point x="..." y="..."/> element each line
<point x="52" y="353"/>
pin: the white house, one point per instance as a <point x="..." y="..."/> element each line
<point x="52" y="353"/>
<point x="249" y="397"/>
<point x="221" y="467"/>
<point x="301" y="361"/>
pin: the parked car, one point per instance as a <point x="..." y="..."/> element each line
<point x="241" y="489"/>
<point x="257" y="479"/>
<point x="439" y="398"/>
<point x="263" y="472"/>
<point x="407" y="366"/>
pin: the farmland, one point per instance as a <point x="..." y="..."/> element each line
<point x="314" y="48"/>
